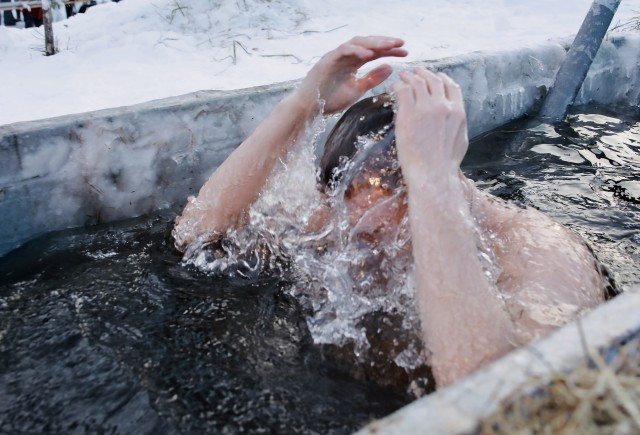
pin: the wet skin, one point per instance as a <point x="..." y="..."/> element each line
<point x="466" y="320"/>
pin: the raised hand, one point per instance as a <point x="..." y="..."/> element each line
<point x="237" y="183"/>
<point x="431" y="124"/>
<point x="333" y="79"/>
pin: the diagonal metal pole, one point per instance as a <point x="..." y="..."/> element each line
<point x="579" y="57"/>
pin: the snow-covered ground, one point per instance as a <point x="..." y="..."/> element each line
<point x="138" y="50"/>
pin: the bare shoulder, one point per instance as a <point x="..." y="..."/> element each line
<point x="548" y="272"/>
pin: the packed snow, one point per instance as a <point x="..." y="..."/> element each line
<point x="124" y="53"/>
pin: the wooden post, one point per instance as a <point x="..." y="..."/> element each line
<point x="47" y="21"/>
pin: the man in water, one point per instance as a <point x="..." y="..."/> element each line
<point x="544" y="274"/>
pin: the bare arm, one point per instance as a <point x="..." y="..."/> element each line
<point x="464" y="322"/>
<point x="330" y="86"/>
<point x="237" y="183"/>
<point x="549" y="272"/>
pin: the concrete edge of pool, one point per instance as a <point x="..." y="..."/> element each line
<point x="83" y="169"/>
<point x="459" y="408"/>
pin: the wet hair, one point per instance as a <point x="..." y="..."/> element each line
<point x="369" y="119"/>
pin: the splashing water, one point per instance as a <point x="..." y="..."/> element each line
<point x="102" y="329"/>
<point x="354" y="292"/>
<point x="361" y="296"/>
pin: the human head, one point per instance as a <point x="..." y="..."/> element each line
<point x="360" y="160"/>
<point x="369" y="120"/>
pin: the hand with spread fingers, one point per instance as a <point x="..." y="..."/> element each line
<point x="237" y="183"/>
<point x="431" y="125"/>
<point x="333" y="79"/>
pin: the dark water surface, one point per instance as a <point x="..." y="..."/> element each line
<point x="584" y="173"/>
<point x="103" y="331"/>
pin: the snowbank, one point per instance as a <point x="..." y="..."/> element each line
<point x="134" y="51"/>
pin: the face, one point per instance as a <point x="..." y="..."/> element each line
<point x="375" y="207"/>
<point x="375" y="214"/>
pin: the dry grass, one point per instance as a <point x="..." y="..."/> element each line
<point x="627" y="26"/>
<point x="598" y="397"/>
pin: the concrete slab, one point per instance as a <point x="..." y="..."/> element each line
<point x="117" y="163"/>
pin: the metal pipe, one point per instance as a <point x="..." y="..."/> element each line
<point x="579" y="57"/>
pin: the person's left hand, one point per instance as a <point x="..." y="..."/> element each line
<point x="333" y="79"/>
<point x="431" y="125"/>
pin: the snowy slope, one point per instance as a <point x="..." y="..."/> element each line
<point x="138" y="50"/>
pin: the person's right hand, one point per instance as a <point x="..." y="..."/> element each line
<point x="333" y="79"/>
